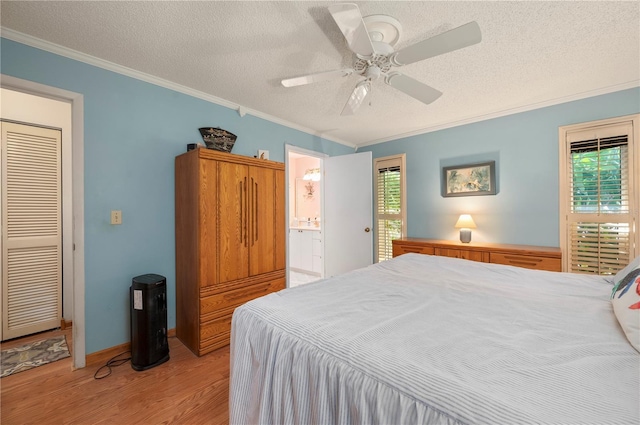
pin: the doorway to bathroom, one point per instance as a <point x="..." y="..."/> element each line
<point x="305" y="238"/>
<point x="329" y="214"/>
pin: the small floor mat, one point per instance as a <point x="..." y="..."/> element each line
<point x="32" y="355"/>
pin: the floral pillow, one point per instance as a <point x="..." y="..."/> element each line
<point x="631" y="266"/>
<point x="626" y="306"/>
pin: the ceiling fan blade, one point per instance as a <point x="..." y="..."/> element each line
<point x="349" y="20"/>
<point x="413" y="88"/>
<point x="357" y="98"/>
<point x="314" y="78"/>
<point x="457" y="38"/>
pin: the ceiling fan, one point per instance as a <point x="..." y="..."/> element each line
<point x="372" y="39"/>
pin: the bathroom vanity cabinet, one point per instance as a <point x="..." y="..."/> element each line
<point x="305" y="247"/>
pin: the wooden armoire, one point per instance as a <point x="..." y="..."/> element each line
<point x="230" y="241"/>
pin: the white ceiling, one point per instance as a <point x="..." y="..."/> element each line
<point x="532" y="54"/>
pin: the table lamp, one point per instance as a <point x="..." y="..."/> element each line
<point x="465" y="224"/>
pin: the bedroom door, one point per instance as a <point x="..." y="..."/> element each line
<point x="348" y="196"/>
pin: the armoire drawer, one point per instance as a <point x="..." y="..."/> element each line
<point x="215" y="333"/>
<point x="224" y="303"/>
<point x="213" y="344"/>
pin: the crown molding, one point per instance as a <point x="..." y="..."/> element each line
<point x="242" y="110"/>
<point x="123" y="70"/>
<point x="511" y="111"/>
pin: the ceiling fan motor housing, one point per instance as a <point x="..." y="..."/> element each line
<point x="381" y="62"/>
<point x="384" y="31"/>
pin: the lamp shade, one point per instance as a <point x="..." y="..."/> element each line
<point x="465" y="221"/>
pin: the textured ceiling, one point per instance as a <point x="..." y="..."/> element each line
<point x="532" y="53"/>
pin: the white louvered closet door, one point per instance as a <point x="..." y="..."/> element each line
<point x="31" y="229"/>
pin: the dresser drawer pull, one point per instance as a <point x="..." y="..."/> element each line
<point x="522" y="260"/>
<point x="408" y="249"/>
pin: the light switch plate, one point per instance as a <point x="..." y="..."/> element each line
<point x="116" y="217"/>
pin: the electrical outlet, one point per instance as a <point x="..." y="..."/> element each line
<point x="116" y="217"/>
<point x="262" y="154"/>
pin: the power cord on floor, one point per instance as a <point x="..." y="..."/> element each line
<point x="113" y="362"/>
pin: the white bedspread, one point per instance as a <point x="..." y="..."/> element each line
<point x="434" y="340"/>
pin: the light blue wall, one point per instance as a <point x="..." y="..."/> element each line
<point x="525" y="148"/>
<point x="132" y="132"/>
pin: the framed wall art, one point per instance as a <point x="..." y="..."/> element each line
<point x="469" y="179"/>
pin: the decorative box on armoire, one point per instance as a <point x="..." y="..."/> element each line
<point x="230" y="241"/>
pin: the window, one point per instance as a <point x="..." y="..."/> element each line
<point x="598" y="195"/>
<point x="390" y="209"/>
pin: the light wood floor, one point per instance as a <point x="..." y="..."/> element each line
<point x="185" y="390"/>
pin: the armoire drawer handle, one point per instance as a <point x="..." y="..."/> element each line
<point x="253" y="290"/>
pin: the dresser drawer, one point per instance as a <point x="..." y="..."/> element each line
<point x="462" y="253"/>
<point x="224" y="303"/>
<point x="406" y="249"/>
<point x="527" y="261"/>
<point x="528" y="256"/>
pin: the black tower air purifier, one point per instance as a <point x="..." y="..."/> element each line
<point x="149" y="345"/>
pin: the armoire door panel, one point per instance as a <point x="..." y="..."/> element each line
<point x="280" y="221"/>
<point x="262" y="220"/>
<point x="232" y="228"/>
<point x="208" y="198"/>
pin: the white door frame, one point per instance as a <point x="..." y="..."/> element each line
<point x="74" y="251"/>
<point x="321" y="156"/>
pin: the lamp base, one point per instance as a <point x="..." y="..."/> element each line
<point x="465" y="235"/>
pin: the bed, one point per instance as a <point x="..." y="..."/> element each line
<point x="422" y="339"/>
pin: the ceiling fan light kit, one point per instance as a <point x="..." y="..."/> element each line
<point x="359" y="94"/>
<point x="371" y="39"/>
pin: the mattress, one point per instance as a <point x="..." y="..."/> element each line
<point x="435" y="340"/>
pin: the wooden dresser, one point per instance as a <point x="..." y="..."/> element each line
<point x="527" y="256"/>
<point x="230" y="241"/>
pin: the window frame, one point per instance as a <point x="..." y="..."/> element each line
<point x="565" y="187"/>
<point x="403" y="195"/>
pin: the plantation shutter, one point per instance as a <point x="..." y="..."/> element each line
<point x="32" y="233"/>
<point x="389" y="205"/>
<point x="600" y="217"/>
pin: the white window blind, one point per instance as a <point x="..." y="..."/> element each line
<point x="599" y="212"/>
<point x="390" y="210"/>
